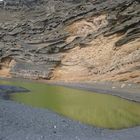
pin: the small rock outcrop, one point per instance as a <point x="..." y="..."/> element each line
<point x="70" y="39"/>
<point x="5" y="90"/>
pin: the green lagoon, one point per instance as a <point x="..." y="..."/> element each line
<point x="101" y="110"/>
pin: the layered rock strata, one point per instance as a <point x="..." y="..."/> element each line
<point x="70" y="39"/>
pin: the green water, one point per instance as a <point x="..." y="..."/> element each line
<point x="100" y="110"/>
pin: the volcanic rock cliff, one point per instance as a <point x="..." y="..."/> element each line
<point x="70" y="39"/>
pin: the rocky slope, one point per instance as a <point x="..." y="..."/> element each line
<point x="70" y="39"/>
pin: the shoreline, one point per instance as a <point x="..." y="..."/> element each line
<point x="22" y="122"/>
<point x="128" y="91"/>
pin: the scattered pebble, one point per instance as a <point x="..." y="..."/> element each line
<point x="54" y="126"/>
<point x="123" y="85"/>
<point x="77" y="138"/>
<point x="129" y="85"/>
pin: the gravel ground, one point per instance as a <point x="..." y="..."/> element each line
<point x="21" y="122"/>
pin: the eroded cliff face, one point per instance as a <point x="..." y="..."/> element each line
<point x="70" y="40"/>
